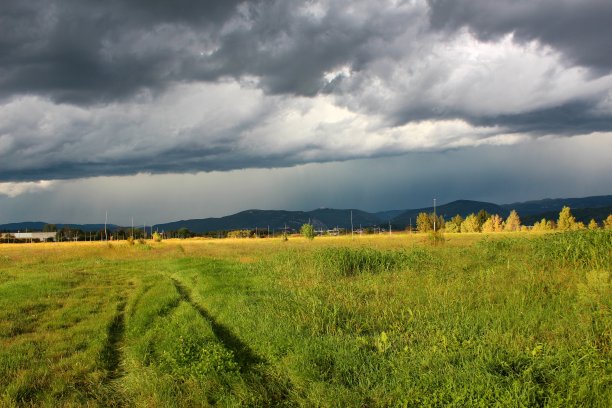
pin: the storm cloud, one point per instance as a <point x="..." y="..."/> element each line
<point x="91" y="88"/>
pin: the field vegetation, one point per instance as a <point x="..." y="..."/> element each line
<point x="505" y="319"/>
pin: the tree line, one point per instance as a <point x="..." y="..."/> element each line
<point x="485" y="222"/>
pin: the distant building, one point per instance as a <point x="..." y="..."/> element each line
<point x="33" y="236"/>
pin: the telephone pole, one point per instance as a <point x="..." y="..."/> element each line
<point x="434" y="215"/>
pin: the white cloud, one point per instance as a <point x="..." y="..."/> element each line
<point x="16" y="189"/>
<point x="463" y="76"/>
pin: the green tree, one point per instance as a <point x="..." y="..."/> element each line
<point x="440" y="223"/>
<point x="183" y="233"/>
<point x="307" y="230"/>
<point x="566" y="221"/>
<point x="470" y="224"/>
<point x="513" y="222"/>
<point x="49" y="228"/>
<point x="482" y="217"/>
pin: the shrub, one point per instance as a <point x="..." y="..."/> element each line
<point x="436" y="238"/>
<point x="307" y="231"/>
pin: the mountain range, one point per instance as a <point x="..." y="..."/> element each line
<point x="585" y="208"/>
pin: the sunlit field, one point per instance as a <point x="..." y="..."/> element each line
<point x="506" y="319"/>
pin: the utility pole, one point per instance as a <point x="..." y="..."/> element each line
<point x="105" y="222"/>
<point x="389" y="227"/>
<point x="434" y="215"/>
<point x="132" y="227"/>
<point x="352" y="236"/>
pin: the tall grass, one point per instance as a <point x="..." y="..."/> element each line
<point x="376" y="322"/>
<point x="587" y="249"/>
<point x="354" y="261"/>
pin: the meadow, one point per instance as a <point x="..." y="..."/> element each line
<point x="507" y="319"/>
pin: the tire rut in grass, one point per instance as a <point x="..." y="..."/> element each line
<point x="245" y="356"/>
<point x="111" y="354"/>
<point x="252" y="366"/>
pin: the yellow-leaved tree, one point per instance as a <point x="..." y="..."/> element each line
<point x="470" y="224"/>
<point x="454" y="225"/>
<point x="566" y="221"/>
<point x="424" y="222"/>
<point x="608" y="222"/>
<point x="493" y="224"/>
<point x="513" y="222"/>
<point x="543" y="225"/>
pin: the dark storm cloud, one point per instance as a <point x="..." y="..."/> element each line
<point x="581" y="30"/>
<point x="119" y="87"/>
<point x="569" y="119"/>
<point x="88" y="51"/>
<point x="91" y="51"/>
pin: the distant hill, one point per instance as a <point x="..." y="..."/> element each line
<point x="597" y="207"/>
<point x="325" y="218"/>
<point x="388" y="215"/>
<point x="581" y="214"/>
<point x="330" y="218"/>
<point x="461" y="207"/>
<point x="556" y="204"/>
<point x="249" y="219"/>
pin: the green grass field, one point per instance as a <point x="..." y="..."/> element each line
<point x="505" y="320"/>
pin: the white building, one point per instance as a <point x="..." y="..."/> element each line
<point x="34" y="236"/>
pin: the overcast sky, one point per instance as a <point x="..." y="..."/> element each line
<point x="180" y="109"/>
